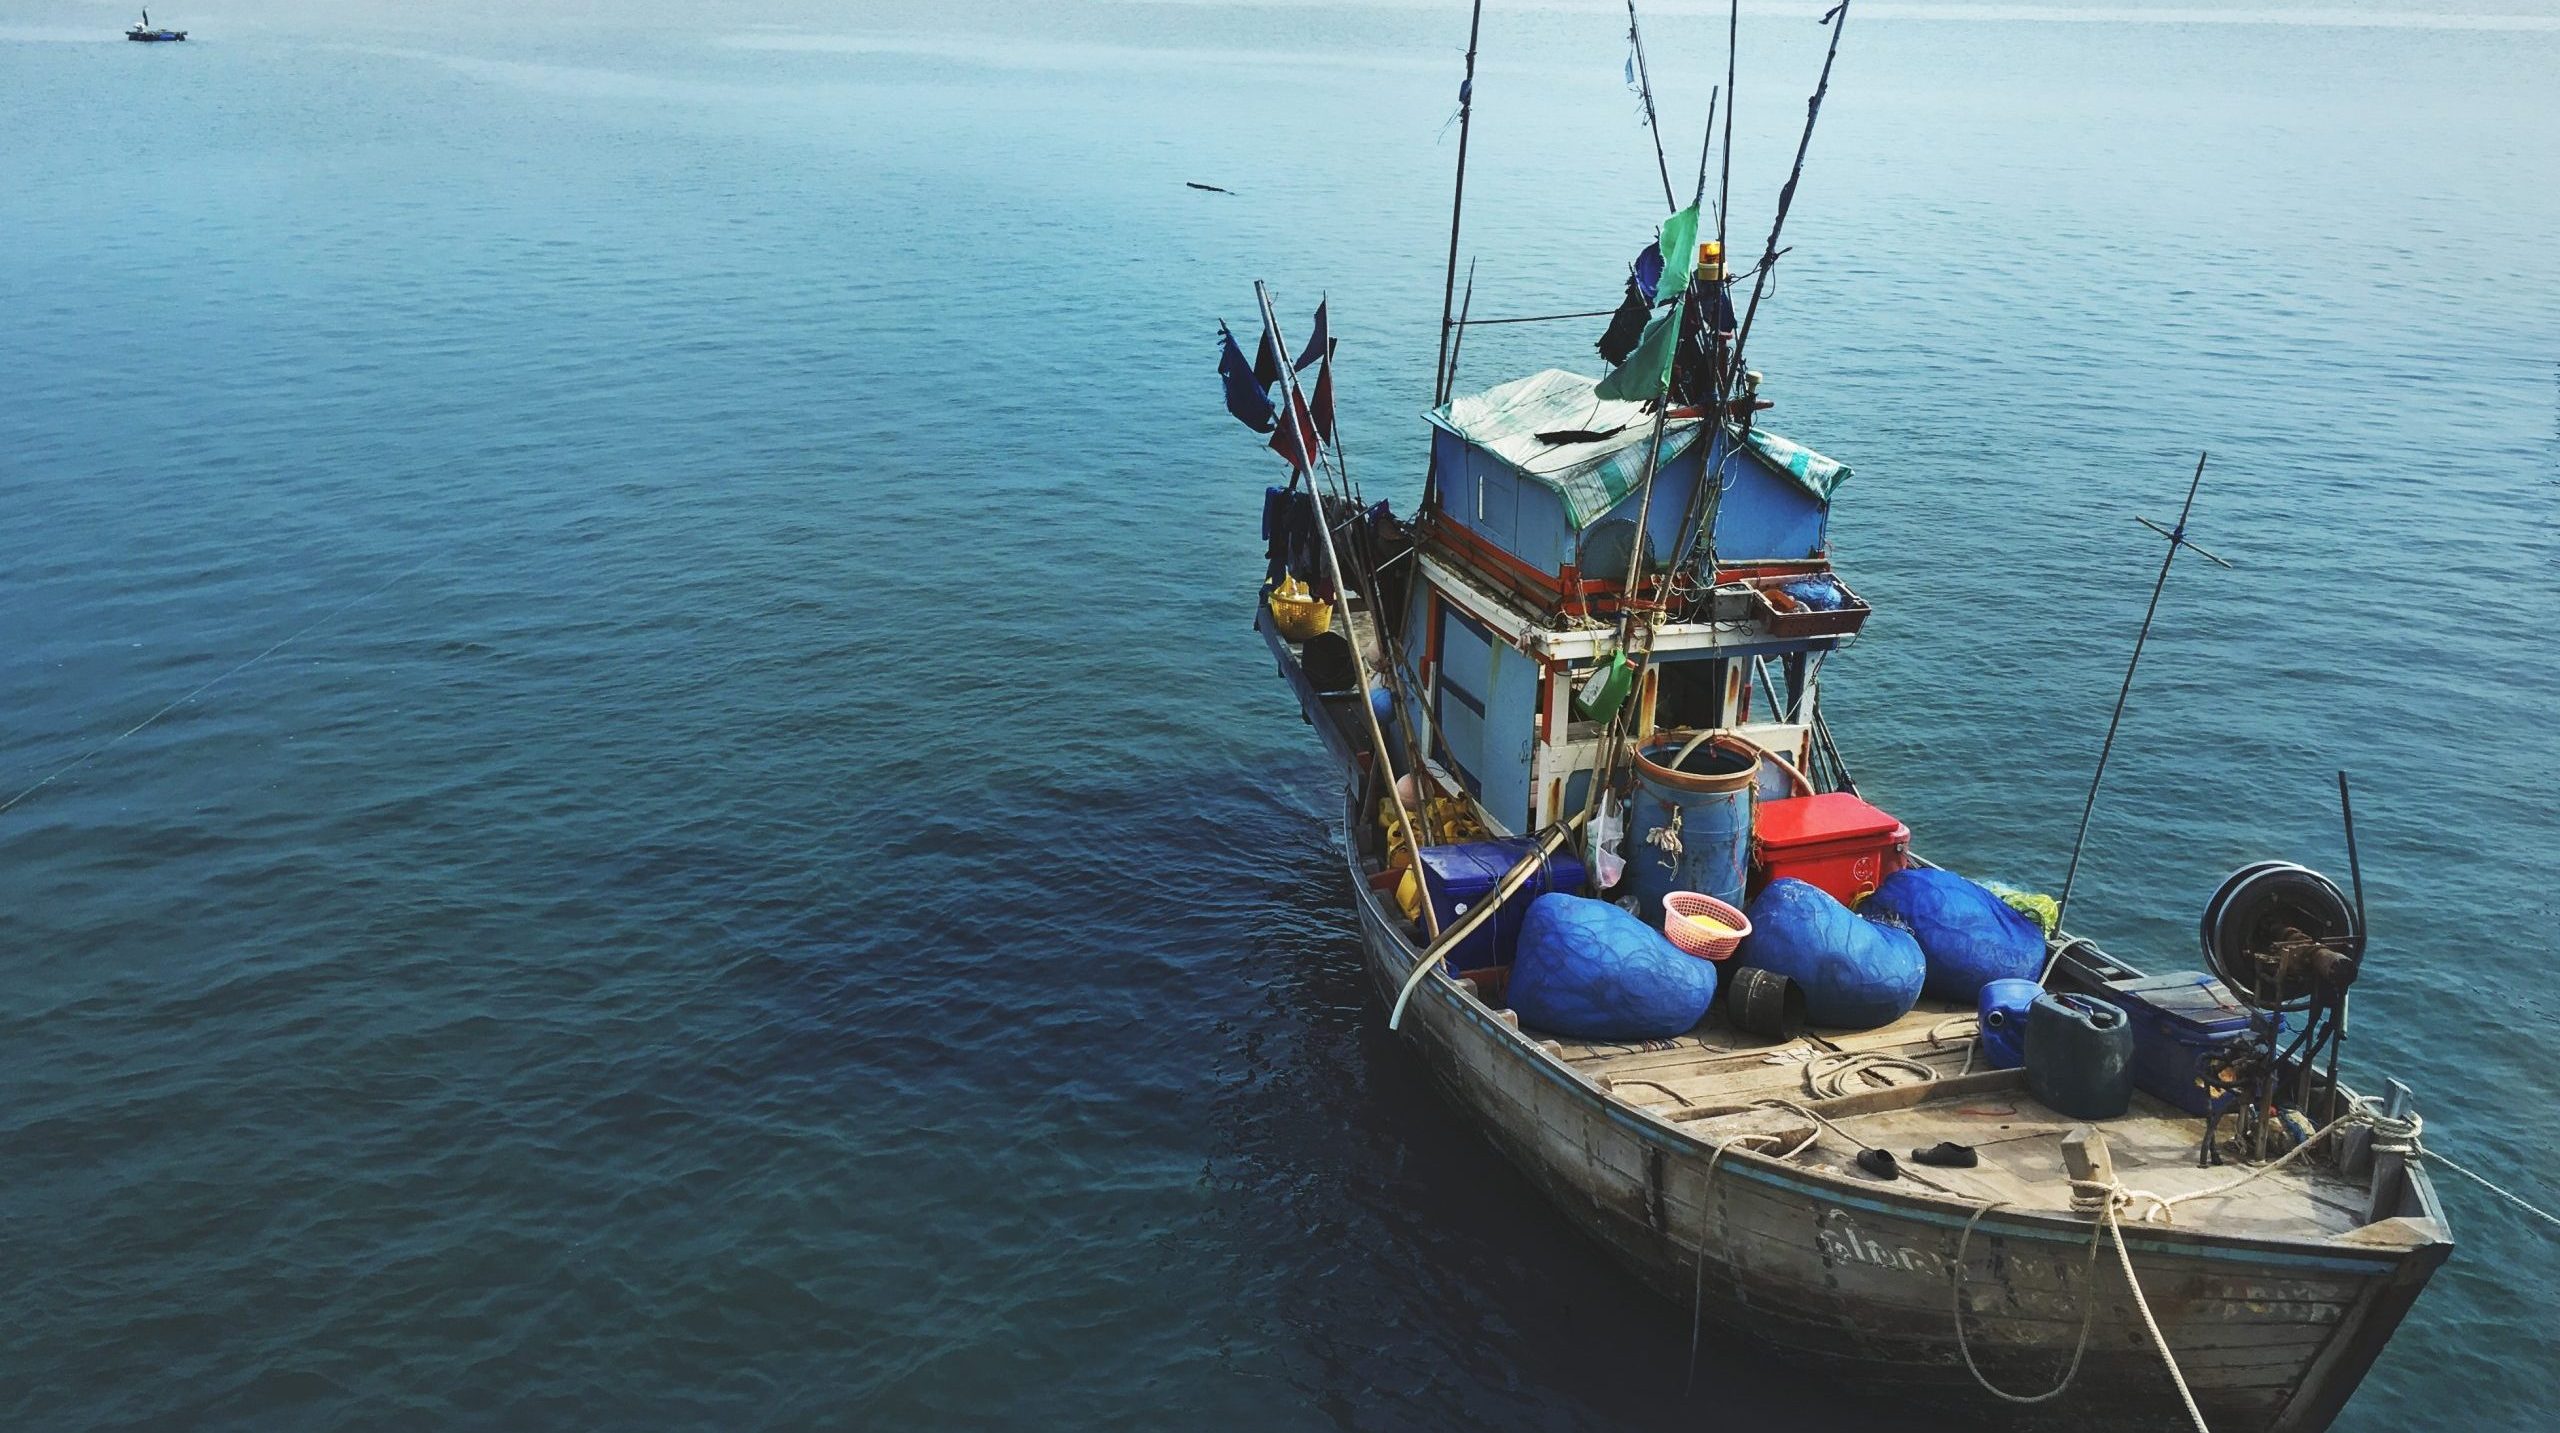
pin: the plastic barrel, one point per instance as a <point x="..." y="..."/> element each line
<point x="1690" y="829"/>
<point x="2080" y="1056"/>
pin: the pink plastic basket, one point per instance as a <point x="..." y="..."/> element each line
<point x="1680" y="913"/>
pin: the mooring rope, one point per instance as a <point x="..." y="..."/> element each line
<point x="2088" y="1314"/>
<point x="1698" y="1278"/>
<point x="314" y="625"/>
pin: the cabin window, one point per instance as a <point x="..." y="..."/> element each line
<point x="1691" y="695"/>
<point x="1462" y="684"/>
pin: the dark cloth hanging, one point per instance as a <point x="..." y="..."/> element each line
<point x="1720" y="308"/>
<point x="1275" y="532"/>
<point x="1246" y="398"/>
<point x="1704" y="330"/>
<point x="1306" y="550"/>
<point x="1323" y="401"/>
<point x="1626" y="325"/>
<point x="1266" y="359"/>
<point x="1319" y="343"/>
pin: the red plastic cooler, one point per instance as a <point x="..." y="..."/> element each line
<point x="1834" y="841"/>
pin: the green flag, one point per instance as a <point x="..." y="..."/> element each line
<point x="1679" y="246"/>
<point x="1647" y="371"/>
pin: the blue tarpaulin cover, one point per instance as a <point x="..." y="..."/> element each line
<point x="1855" y="973"/>
<point x="1587" y="969"/>
<point x="1970" y="936"/>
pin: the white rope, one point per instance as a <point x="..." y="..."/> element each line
<point x="1826" y="1077"/>
<point x="2114" y="1198"/>
<point x="2508" y="1195"/>
<point x="2088" y="1314"/>
<point x="1698" y="1284"/>
<point x="2143" y="1306"/>
<point x="2105" y="1202"/>
<point x="314" y="625"/>
<point x="2392" y="1134"/>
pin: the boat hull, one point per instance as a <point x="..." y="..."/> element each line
<point x="1854" y="1281"/>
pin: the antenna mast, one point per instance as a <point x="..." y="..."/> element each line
<point x="2177" y="537"/>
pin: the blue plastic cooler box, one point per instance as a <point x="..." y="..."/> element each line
<point x="2176" y="1019"/>
<point x="1459" y="876"/>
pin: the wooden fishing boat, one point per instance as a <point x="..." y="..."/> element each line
<point x="2274" y="1299"/>
<point x="1598" y="570"/>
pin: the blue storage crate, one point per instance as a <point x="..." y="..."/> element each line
<point x="2176" y="1019"/>
<point x="1459" y="876"/>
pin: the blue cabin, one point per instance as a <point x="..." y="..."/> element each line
<point x="1546" y="477"/>
<point x="1538" y="487"/>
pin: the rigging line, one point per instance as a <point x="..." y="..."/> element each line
<point x="279" y="645"/>
<point x="1534" y="318"/>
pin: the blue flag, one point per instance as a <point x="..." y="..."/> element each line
<point x="1246" y="397"/>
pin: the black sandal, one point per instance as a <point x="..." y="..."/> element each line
<point x="1948" y="1155"/>
<point x="1879" y="1162"/>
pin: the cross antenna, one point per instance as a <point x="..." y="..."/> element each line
<point x="2177" y="537"/>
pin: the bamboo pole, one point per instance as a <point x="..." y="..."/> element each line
<point x="1382" y="760"/>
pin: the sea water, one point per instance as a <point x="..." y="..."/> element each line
<point x="768" y="882"/>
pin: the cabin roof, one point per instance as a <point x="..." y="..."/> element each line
<point x="1589" y="476"/>
<point x="1517" y="422"/>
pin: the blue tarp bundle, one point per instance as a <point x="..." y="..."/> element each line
<point x="1855" y="973"/>
<point x="1587" y="969"/>
<point x="1969" y="936"/>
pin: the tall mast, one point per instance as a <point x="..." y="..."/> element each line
<point x="1838" y="19"/>
<point x="1652" y="121"/>
<point x="1724" y="186"/>
<point x="1457" y="208"/>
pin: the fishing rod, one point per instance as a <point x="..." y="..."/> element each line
<point x="1714" y="93"/>
<point x="2177" y="537"/>
<point x="1653" y="122"/>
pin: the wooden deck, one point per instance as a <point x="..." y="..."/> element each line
<point x="1710" y="1080"/>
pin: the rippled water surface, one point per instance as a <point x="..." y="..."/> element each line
<point x="770" y="885"/>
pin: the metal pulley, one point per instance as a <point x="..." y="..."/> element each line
<point x="2279" y="935"/>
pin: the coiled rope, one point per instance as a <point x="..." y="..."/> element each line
<point x="1826" y="1077"/>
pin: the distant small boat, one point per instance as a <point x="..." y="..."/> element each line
<point x="146" y="33"/>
